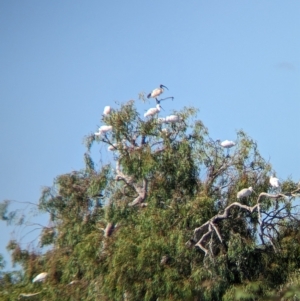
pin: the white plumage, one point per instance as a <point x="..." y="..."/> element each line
<point x="244" y="192"/>
<point x="172" y="119"/>
<point x="153" y="111"/>
<point x="227" y="144"/>
<point x="274" y="182"/>
<point x="40" y="277"/>
<point x="156" y="92"/>
<point x="103" y="129"/>
<point x="106" y="110"/>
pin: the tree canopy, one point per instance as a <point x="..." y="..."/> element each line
<point x="161" y="220"/>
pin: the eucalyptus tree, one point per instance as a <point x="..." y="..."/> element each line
<point x="162" y="220"/>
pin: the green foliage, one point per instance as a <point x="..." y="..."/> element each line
<point x="102" y="245"/>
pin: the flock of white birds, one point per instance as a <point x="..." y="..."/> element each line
<point x="150" y="113"/>
<point x="227" y="144"/>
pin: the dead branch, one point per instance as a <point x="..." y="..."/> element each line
<point x="28" y="295"/>
<point x="205" y="231"/>
<point x="140" y="190"/>
<point x="109" y="230"/>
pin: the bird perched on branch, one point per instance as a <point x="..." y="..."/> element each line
<point x="40" y="277"/>
<point x="244" y="193"/>
<point x="274" y="182"/>
<point x="107" y="110"/>
<point x="172" y="119"/>
<point x="103" y="129"/>
<point x="153" y="111"/>
<point x="156" y="92"/>
<point x="227" y="144"/>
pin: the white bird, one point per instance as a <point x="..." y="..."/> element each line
<point x="40" y="277"/>
<point x="172" y="119"/>
<point x="227" y="144"/>
<point x="107" y="110"/>
<point x="244" y="192"/>
<point x="274" y="182"/>
<point x="156" y="92"/>
<point x="153" y="111"/>
<point x="103" y="129"/>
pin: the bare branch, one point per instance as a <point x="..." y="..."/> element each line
<point x="206" y="230"/>
<point x="109" y="230"/>
<point x="28" y="295"/>
<point x="140" y="190"/>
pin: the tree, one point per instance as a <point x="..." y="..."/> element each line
<point x="162" y="220"/>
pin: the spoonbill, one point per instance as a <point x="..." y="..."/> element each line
<point x="103" y="129"/>
<point x="107" y="110"/>
<point x="153" y="111"/>
<point x="244" y="192"/>
<point x="274" y="182"/>
<point x="40" y="277"/>
<point x="156" y="92"/>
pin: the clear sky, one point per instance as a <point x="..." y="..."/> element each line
<point x="61" y="62"/>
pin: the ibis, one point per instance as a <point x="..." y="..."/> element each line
<point x="244" y="192"/>
<point x="274" y="182"/>
<point x="107" y="110"/>
<point x="40" y="277"/>
<point x="156" y="92"/>
<point x="172" y="119"/>
<point x="103" y="129"/>
<point x="153" y="111"/>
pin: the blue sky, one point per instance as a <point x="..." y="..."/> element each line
<point x="61" y="62"/>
